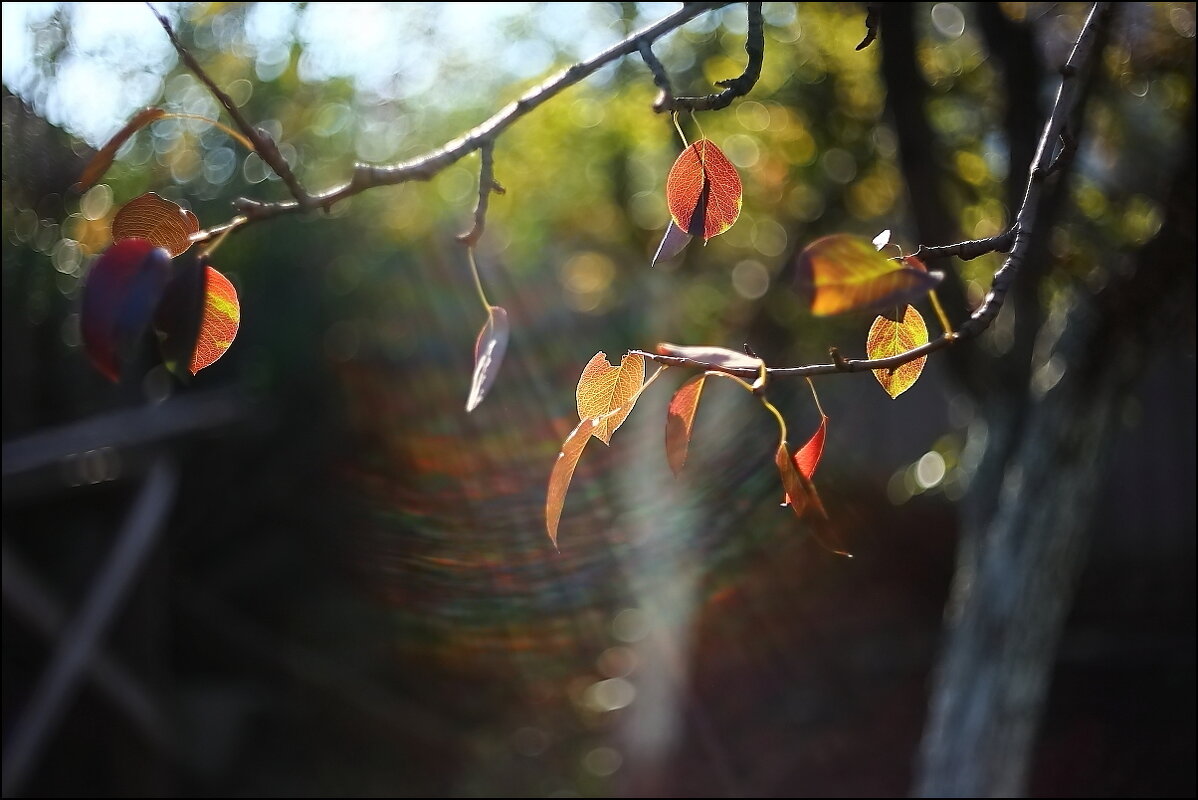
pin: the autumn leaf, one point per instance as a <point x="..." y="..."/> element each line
<point x="703" y="191"/>
<point x="672" y="243"/>
<point x="712" y="356"/>
<point x="808" y="456"/>
<point x="888" y="338"/>
<point x="219" y="322"/>
<point x="489" y="349"/>
<point x="563" y="472"/>
<point x="680" y="421"/>
<point x="801" y="496"/>
<point x="120" y="295"/>
<point x="180" y="314"/>
<point x="845" y="273"/>
<point x="168" y="225"/>
<point x="609" y="392"/>
<point x="102" y="160"/>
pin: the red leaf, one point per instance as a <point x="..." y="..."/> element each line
<point x="680" y="421"/>
<point x="489" y="349"/>
<point x="807" y="459"/>
<point x="218" y="326"/>
<point x="122" y="291"/>
<point x="801" y="495"/>
<point x="703" y="191"/>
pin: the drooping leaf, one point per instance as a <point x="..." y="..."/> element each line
<point x="888" y="338"/>
<point x="609" y="392"/>
<point x="180" y="314"/>
<point x="218" y="326"/>
<point x="715" y="356"/>
<point x="102" y="160"/>
<point x="703" y="190"/>
<point x="563" y="472"/>
<point x="808" y="456"/>
<point x="673" y="243"/>
<point x="120" y="295"/>
<point x="801" y="496"/>
<point x="168" y="225"/>
<point x="680" y="421"/>
<point x="489" y="348"/>
<point x="845" y="273"/>
<point x="807" y="459"/>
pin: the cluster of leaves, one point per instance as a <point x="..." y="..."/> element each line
<point x="141" y="283"/>
<point x="837" y="274"/>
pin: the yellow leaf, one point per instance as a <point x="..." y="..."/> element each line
<point x="563" y="472"/>
<point x="609" y="392"/>
<point x="889" y="338"/>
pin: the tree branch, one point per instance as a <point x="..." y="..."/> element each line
<point x="486" y="185"/>
<point x="264" y="145"/>
<point x="1017" y="239"/>
<point x="423" y="168"/>
<point x="734" y="87"/>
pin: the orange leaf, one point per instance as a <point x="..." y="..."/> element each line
<point x="846" y="273"/>
<point x="218" y="326"/>
<point x="713" y="356"/>
<point x="563" y="472"/>
<point x="807" y="459"/>
<point x="703" y="191"/>
<point x="609" y="392"/>
<point x="889" y="338"/>
<point x="489" y="348"/>
<point x="102" y="160"/>
<point x="680" y="421"/>
<point x="801" y="495"/>
<point x="168" y="225"/>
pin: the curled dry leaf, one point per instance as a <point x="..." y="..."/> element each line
<point x="168" y="225"/>
<point x="489" y="349"/>
<point x="720" y="357"/>
<point x="102" y="160"/>
<point x="845" y="273"/>
<point x="889" y="338"/>
<point x="219" y="322"/>
<point x="609" y="392"/>
<point x="703" y="190"/>
<point x="563" y="472"/>
<point x="120" y="296"/>
<point x="680" y="421"/>
<point x="673" y="242"/>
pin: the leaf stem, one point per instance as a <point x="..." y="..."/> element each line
<point x="816" y="397"/>
<point x="698" y="124"/>
<point x="940" y="315"/>
<point x="478" y="282"/>
<point x="777" y="415"/>
<point x="246" y="143"/>
<point x="677" y="127"/>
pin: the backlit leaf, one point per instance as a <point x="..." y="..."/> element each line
<point x="488" y="355"/>
<point x="882" y="239"/>
<point x="845" y="273"/>
<point x="808" y="456"/>
<point x="218" y="325"/>
<point x="563" y="472"/>
<point x="102" y="160"/>
<point x="703" y="191"/>
<point x="180" y="314"/>
<point x="888" y="338"/>
<point x="120" y="295"/>
<point x="168" y="225"/>
<point x="715" y="356"/>
<point x="609" y="392"/>
<point x="680" y="421"/>
<point x="801" y="496"/>
<point x="673" y="243"/>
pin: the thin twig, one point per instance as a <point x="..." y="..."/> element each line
<point x="424" y="167"/>
<point x="1017" y="238"/>
<point x="264" y="145"/>
<point x="486" y="185"/>
<point x="733" y="87"/>
<point x="661" y="78"/>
